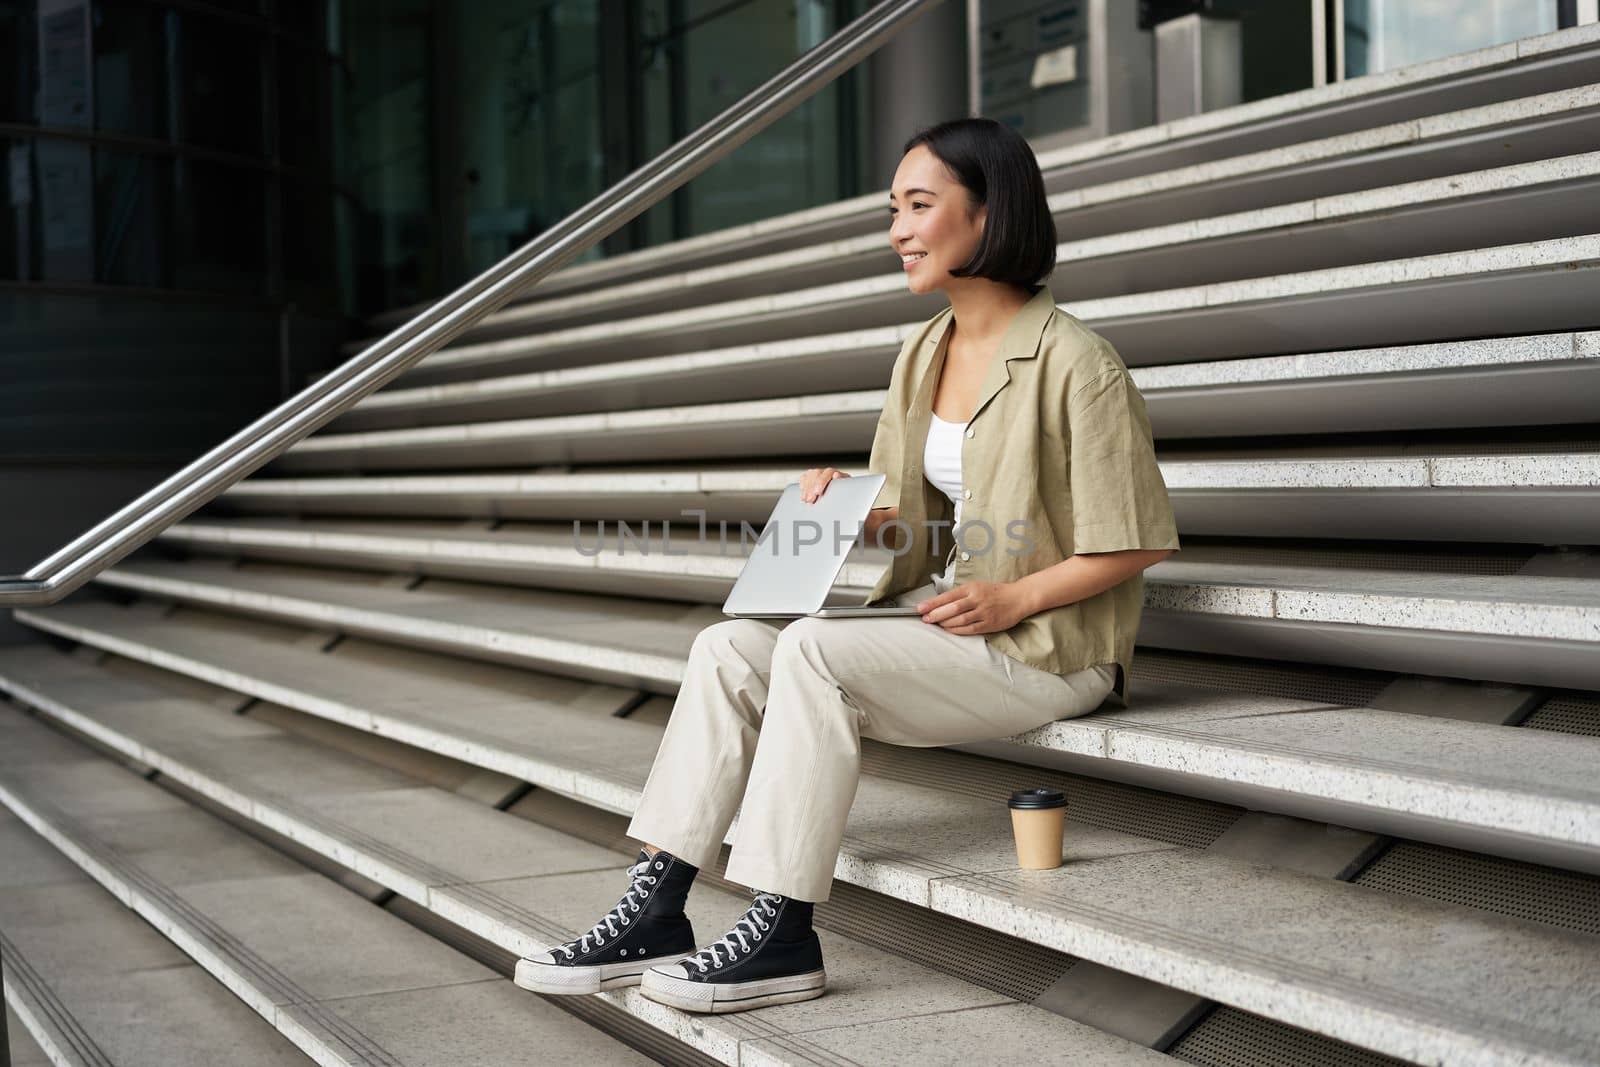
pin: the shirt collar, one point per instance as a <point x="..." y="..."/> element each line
<point x="1021" y="339"/>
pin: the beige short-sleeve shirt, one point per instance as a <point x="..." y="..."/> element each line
<point x="1057" y="459"/>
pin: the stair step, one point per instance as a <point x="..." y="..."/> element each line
<point x="99" y="986"/>
<point x="858" y="359"/>
<point x="1488" y="381"/>
<point x="1391" y="195"/>
<point x="796" y="425"/>
<point x="1538" y="498"/>
<point x="1217" y="927"/>
<point x="1539" y="380"/>
<point x="1514" y="288"/>
<point x="344" y="981"/>
<point x="1507" y="628"/>
<point x="520" y="886"/>
<point x="25" y="1051"/>
<point x="1527" y="629"/>
<point x="1363" y="257"/>
<point x="1462" y="783"/>
<point x="817" y="425"/>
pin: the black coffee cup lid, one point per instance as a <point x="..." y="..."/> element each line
<point x="1038" y="798"/>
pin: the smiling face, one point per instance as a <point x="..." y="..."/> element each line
<point x="933" y="228"/>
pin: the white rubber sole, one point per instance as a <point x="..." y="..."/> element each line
<point x="553" y="980"/>
<point x="718" y="998"/>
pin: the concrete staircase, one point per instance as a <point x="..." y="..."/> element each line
<point x="370" y="726"/>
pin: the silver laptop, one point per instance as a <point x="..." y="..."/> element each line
<point x="800" y="552"/>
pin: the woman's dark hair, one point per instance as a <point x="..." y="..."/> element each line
<point x="1000" y="172"/>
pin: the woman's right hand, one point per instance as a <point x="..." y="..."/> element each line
<point x="814" y="482"/>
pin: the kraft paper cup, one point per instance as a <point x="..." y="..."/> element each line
<point x="1038" y="820"/>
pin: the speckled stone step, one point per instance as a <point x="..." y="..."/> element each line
<point x="1383" y="187"/>
<point x="846" y="361"/>
<point x="1458" y="380"/>
<point x="1509" y="628"/>
<point x="95" y="985"/>
<point x="1478" y="292"/>
<point x="345" y="982"/>
<point x="816" y="424"/>
<point x="1537" y="498"/>
<point x="1523" y="793"/>
<point x="1466" y="382"/>
<point x="797" y="425"/>
<point x="520" y="885"/>
<point x="1541" y="378"/>
<point x="1433" y="91"/>
<point x="25" y="1051"/>
<point x="1423" y="980"/>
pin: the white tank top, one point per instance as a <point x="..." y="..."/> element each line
<point x="941" y="462"/>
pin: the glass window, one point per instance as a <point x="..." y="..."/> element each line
<point x="305" y="120"/>
<point x="306" y="21"/>
<point x="1383" y="35"/>
<point x="220" y="69"/>
<point x="133" y="215"/>
<point x="219" y="238"/>
<point x="696" y="67"/>
<point x="19" y="50"/>
<point x="529" y="121"/>
<point x="19" y="221"/>
<point x="1012" y="36"/>
<point x="310" y="269"/>
<point x="245" y="7"/>
<point x="391" y="150"/>
<point x="63" y="204"/>
<point x="65" y="67"/>
<point x="1275" y="42"/>
<point x="130" y="70"/>
<point x="65" y="222"/>
<point x="661" y="62"/>
<point x="792" y="163"/>
<point x="345" y="219"/>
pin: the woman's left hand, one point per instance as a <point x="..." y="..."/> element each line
<point x="976" y="608"/>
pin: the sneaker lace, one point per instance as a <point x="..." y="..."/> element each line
<point x="751" y="926"/>
<point x="629" y="904"/>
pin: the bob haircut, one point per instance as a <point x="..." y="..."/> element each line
<point x="1000" y="172"/>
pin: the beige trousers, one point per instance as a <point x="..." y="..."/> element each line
<point x="776" y="717"/>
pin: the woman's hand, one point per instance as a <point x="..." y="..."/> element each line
<point x="977" y="608"/>
<point x="814" y="482"/>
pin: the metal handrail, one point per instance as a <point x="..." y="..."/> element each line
<point x="379" y="363"/>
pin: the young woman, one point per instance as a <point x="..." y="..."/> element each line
<point x="1005" y="415"/>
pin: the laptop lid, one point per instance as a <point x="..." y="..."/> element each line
<point x="802" y="548"/>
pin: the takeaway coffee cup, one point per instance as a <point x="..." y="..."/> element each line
<point x="1038" y="817"/>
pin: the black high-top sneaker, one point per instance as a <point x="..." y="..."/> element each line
<point x="771" y="956"/>
<point x="647" y="926"/>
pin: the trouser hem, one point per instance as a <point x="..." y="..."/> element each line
<point x="767" y="879"/>
<point x="696" y="851"/>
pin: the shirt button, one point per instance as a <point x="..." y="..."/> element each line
<point x="966" y="494"/>
<point x="965" y="556"/>
<point x="969" y="433"/>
